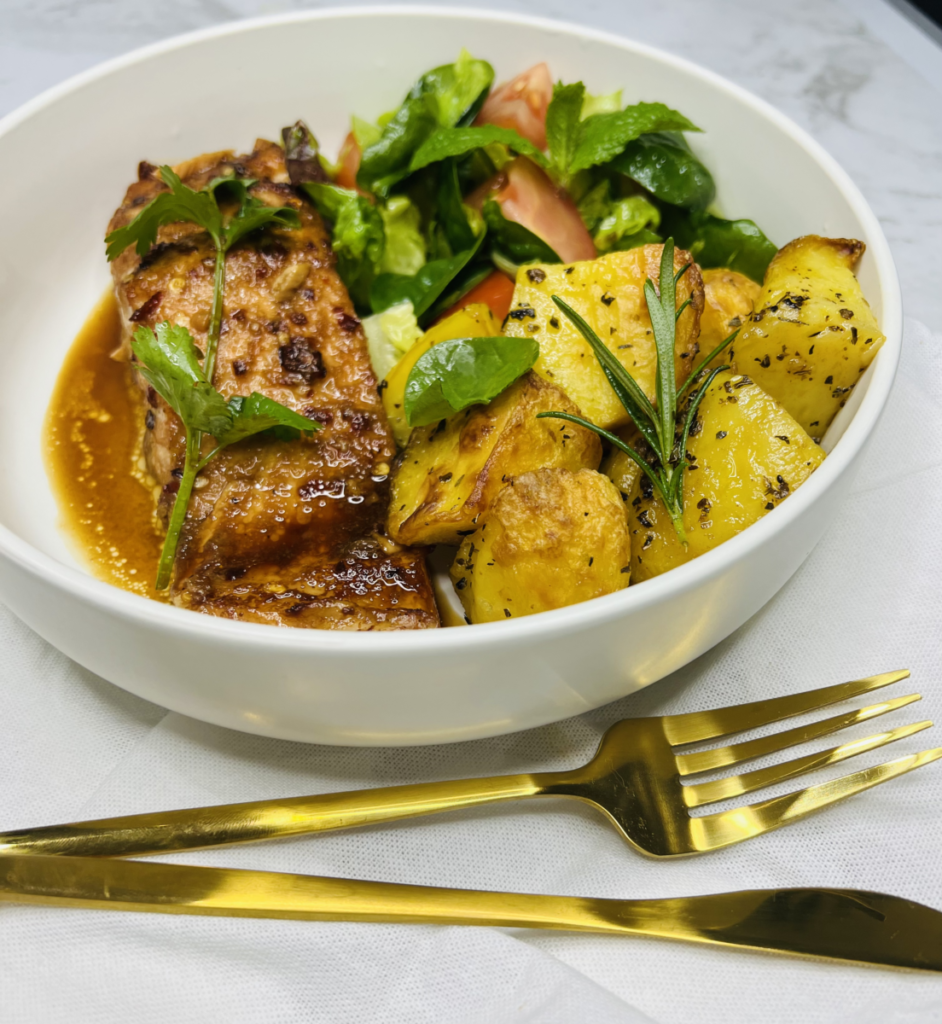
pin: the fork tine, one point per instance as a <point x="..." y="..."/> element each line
<point x="697" y="726"/>
<point x="727" y="827"/>
<point x="738" y="753"/>
<point x="723" y="789"/>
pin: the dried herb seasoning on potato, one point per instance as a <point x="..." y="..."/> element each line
<point x="813" y="333"/>
<point x="609" y="294"/>
<point x="452" y="470"/>
<point x="745" y="456"/>
<point x="550" y="539"/>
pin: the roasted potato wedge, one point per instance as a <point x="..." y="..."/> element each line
<point x="746" y="455"/>
<point x="609" y="293"/>
<point x="728" y="300"/>
<point x="473" y="321"/>
<point x="812" y="334"/>
<point x="550" y="539"/>
<point x="451" y="471"/>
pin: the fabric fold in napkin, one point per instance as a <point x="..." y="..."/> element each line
<point x="869" y="599"/>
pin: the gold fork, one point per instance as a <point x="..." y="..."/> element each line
<point x="635" y="779"/>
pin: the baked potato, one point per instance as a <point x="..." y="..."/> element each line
<point x="812" y="334"/>
<point x="451" y="471"/>
<point x="551" y="538"/>
<point x="746" y="454"/>
<point x="728" y="300"/>
<point x="473" y="321"/>
<point x="609" y="293"/>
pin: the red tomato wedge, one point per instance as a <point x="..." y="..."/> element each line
<point x="496" y="292"/>
<point x="528" y="197"/>
<point x="521" y="104"/>
<point x="349" y="162"/>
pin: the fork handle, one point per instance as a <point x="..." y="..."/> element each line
<point x="221" y="825"/>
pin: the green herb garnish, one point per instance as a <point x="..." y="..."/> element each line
<point x="714" y="242"/>
<point x="665" y="427"/>
<point x="169" y="359"/>
<point x="452" y="375"/>
<point x="170" y="362"/>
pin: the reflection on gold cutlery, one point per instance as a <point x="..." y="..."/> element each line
<point x="838" y="924"/>
<point x="636" y="779"/>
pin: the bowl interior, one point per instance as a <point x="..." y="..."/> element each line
<point x="68" y="158"/>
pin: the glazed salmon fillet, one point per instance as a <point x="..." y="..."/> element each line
<point x="290" y="533"/>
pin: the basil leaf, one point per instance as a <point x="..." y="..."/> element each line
<point x="458" y="90"/>
<point x="512" y="240"/>
<point x="459" y="286"/>
<point x="442" y="98"/>
<point x="181" y="203"/>
<point x="663" y="163"/>
<point x="169" y="362"/>
<point x="452" y="375"/>
<point x="358" y="236"/>
<point x="386" y="162"/>
<point x="604" y="136"/>
<point x="451" y="210"/>
<point x="256" y="414"/>
<point x="715" y="242"/>
<point x="563" y="125"/>
<point x="446" y="142"/>
<point x="421" y="288"/>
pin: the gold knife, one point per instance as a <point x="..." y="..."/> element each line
<point x="837" y="924"/>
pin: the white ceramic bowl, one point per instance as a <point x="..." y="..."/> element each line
<point x="66" y="159"/>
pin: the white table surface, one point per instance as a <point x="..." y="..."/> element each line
<point x="841" y="72"/>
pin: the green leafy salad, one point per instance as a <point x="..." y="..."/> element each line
<point x="459" y="183"/>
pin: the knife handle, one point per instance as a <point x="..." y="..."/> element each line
<point x="840" y="924"/>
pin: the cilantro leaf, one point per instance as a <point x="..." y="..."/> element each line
<point x="181" y="203"/>
<point x="169" y="362"/>
<point x="452" y="375"/>
<point x="256" y="414"/>
<point x="254" y="214"/>
<point x="448" y="142"/>
<point x="563" y="126"/>
<point x="604" y="136"/>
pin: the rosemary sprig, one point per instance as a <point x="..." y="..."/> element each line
<point x="664" y="426"/>
<point x="182" y="204"/>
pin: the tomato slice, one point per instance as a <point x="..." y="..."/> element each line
<point x="349" y="162"/>
<point x="521" y="104"/>
<point x="531" y="199"/>
<point x="496" y="291"/>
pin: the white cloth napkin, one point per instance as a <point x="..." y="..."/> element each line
<point x="868" y="599"/>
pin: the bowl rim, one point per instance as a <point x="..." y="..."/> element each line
<point x="138" y="610"/>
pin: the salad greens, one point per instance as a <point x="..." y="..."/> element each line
<point x="452" y="375"/>
<point x="420" y="225"/>
<point x="169" y="359"/>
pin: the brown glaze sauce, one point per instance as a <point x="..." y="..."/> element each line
<point x="92" y="450"/>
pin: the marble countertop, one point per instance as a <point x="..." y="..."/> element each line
<point x="853" y="73"/>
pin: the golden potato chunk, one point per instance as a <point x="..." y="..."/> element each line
<point x="451" y="471"/>
<point x="473" y="321"/>
<point x="728" y="300"/>
<point x="748" y="455"/>
<point x="813" y="334"/>
<point x="609" y="294"/>
<point x="552" y="538"/>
